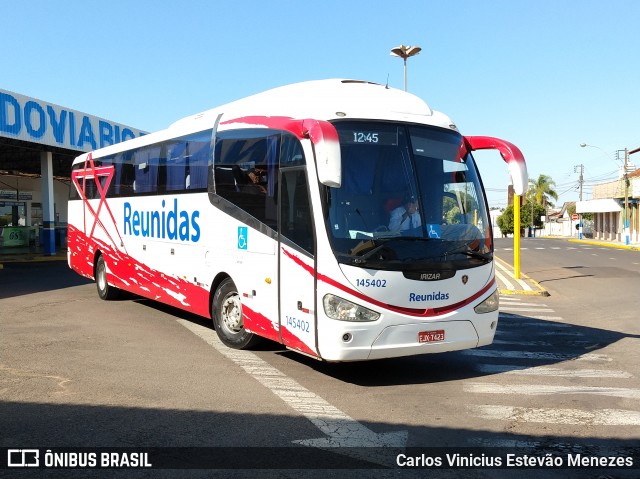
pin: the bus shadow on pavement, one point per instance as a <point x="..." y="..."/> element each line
<point x="521" y="343"/>
<point x="209" y="443"/>
<point x="265" y="345"/>
<point x="18" y="279"/>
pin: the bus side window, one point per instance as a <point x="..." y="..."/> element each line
<point x="176" y="166"/>
<point x="146" y="161"/>
<point x="74" y="194"/>
<point x="124" y="175"/>
<point x="296" y="219"/>
<point x="106" y="161"/>
<point x="246" y="172"/>
<point x="199" y="152"/>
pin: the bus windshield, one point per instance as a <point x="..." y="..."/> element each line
<point x="409" y="198"/>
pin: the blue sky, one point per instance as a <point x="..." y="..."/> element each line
<point x="546" y="75"/>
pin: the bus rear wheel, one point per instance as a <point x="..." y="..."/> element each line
<point x="105" y="291"/>
<point x="228" y="319"/>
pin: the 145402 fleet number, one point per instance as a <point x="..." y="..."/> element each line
<point x="371" y="283"/>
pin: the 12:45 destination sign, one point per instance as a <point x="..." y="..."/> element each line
<point x="382" y="137"/>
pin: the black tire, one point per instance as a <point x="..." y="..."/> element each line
<point x="105" y="290"/>
<point x="228" y="319"/>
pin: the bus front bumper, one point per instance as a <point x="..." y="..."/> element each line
<point x="413" y="339"/>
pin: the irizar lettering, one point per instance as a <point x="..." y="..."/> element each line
<point x="435" y="296"/>
<point x="172" y="224"/>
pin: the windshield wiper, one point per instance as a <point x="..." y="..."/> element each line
<point x="363" y="258"/>
<point x="471" y="253"/>
<point x="477" y="254"/>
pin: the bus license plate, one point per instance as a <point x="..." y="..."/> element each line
<point x="431" y="336"/>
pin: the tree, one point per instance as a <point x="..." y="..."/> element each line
<point x="538" y="198"/>
<point x="542" y="191"/>
<point x="525" y="215"/>
<point x="505" y="221"/>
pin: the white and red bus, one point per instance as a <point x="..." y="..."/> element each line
<point x="343" y="219"/>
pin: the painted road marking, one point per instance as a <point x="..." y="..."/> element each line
<point x="342" y="430"/>
<point x="535" y="355"/>
<point x="502" y="271"/>
<point x="533" y="310"/>
<point x="546" y="389"/>
<point x="602" y="417"/>
<point x="545" y="415"/>
<point x="507" y="284"/>
<point x="533" y="344"/>
<point x="519" y="303"/>
<point x="545" y="321"/>
<point x="551" y="371"/>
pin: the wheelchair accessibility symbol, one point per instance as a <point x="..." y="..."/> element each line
<point x="433" y="231"/>
<point x="242" y="237"/>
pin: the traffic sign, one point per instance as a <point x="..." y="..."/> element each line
<point x="574" y="217"/>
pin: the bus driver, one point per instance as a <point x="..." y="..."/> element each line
<point x="406" y="216"/>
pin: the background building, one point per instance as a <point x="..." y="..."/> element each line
<point x="38" y="142"/>
<point x="608" y="207"/>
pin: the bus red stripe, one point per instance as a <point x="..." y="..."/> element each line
<point x="430" y="312"/>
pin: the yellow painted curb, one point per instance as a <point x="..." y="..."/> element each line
<point x="522" y="292"/>
<point x="605" y="245"/>
<point x="541" y="291"/>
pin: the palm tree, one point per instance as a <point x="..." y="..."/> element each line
<point x="543" y="190"/>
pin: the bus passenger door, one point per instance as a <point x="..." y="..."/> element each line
<point x="296" y="250"/>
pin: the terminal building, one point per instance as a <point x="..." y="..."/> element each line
<point x="38" y="143"/>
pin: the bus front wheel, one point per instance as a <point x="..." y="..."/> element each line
<point x="228" y="319"/>
<point x="105" y="291"/>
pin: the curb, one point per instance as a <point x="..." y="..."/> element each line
<point x="522" y="286"/>
<point x="26" y="258"/>
<point x="604" y="244"/>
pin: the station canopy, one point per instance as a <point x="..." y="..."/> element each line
<point x="29" y="126"/>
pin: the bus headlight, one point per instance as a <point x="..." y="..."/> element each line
<point x="488" y="305"/>
<point x="343" y="310"/>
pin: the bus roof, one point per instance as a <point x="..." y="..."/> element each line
<point x="328" y="100"/>
<point x="319" y="99"/>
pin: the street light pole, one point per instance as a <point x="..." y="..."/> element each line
<point x="405" y="52"/>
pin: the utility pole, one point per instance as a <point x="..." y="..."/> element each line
<point x="628" y="153"/>
<point x="533" y="231"/>
<point x="626" y="197"/>
<point x="575" y="170"/>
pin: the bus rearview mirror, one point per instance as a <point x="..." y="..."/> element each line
<point x="326" y="147"/>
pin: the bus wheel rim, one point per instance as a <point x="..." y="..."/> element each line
<point x="102" y="277"/>
<point x="232" y="313"/>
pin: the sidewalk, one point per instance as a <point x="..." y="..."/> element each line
<point x="508" y="284"/>
<point x="29" y="255"/>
